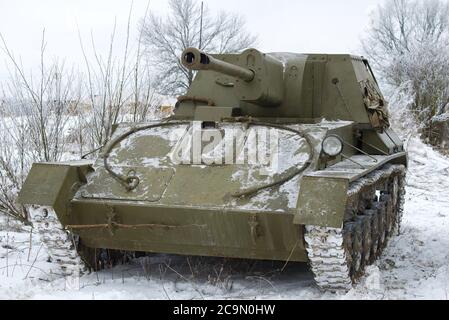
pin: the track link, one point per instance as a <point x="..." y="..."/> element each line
<point x="375" y="205"/>
<point x="59" y="242"/>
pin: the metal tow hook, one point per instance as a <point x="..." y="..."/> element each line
<point x="111" y="220"/>
<point x="254" y="225"/>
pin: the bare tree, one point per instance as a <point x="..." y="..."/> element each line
<point x="189" y="25"/>
<point x="53" y="115"/>
<point x="119" y="88"/>
<point x="143" y="88"/>
<point x="34" y="119"/>
<point x="408" y="43"/>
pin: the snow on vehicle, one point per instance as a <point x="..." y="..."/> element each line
<point x="327" y="189"/>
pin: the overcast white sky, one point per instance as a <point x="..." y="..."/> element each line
<point x="282" y="25"/>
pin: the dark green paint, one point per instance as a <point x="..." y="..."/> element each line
<point x="190" y="206"/>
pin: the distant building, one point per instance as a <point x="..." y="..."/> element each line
<point x="166" y="110"/>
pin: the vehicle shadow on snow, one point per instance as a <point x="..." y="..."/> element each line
<point x="407" y="262"/>
<point x="218" y="277"/>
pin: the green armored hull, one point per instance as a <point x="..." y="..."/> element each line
<point x="268" y="156"/>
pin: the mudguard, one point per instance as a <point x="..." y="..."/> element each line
<point x="54" y="185"/>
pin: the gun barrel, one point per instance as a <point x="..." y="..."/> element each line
<point x="194" y="59"/>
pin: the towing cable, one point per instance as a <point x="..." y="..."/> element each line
<point x="131" y="180"/>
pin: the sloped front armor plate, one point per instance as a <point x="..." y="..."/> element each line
<point x="153" y="182"/>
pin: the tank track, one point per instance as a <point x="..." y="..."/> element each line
<point x="374" y="211"/>
<point x="67" y="250"/>
<point x="60" y="244"/>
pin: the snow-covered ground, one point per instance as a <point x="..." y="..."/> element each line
<point x="415" y="264"/>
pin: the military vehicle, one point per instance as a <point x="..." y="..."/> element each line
<point x="327" y="187"/>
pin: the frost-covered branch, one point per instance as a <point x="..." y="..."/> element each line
<point x="166" y="37"/>
<point x="408" y="44"/>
